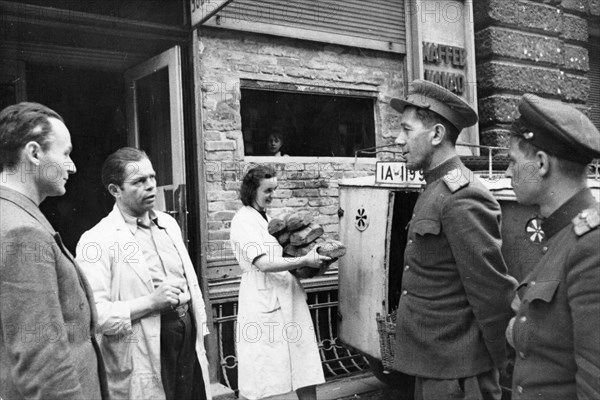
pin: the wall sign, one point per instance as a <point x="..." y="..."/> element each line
<point x="452" y="59"/>
<point x="442" y="50"/>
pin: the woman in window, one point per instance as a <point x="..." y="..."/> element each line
<point x="275" y="144"/>
<point x="276" y="347"/>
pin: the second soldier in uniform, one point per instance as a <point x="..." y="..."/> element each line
<point x="556" y="330"/>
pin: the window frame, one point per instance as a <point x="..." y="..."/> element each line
<point x="300" y="89"/>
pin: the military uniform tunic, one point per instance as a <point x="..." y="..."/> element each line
<point x="556" y="332"/>
<point x="456" y="294"/>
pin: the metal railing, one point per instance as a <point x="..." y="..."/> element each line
<point x="337" y="361"/>
<point x="379" y="149"/>
<point x="594" y="166"/>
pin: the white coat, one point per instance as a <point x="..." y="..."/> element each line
<point x="112" y="261"/>
<point x="276" y="346"/>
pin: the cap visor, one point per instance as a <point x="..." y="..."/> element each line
<point x="399" y="105"/>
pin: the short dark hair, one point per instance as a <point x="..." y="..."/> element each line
<point x="527" y="148"/>
<point x="570" y="169"/>
<point x="114" y="167"/>
<point x="251" y="182"/>
<point x="430" y="118"/>
<point x="20" y="124"/>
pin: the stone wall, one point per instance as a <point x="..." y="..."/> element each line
<point x="529" y="46"/>
<point x="304" y="183"/>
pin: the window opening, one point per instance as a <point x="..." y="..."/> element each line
<point x="312" y="125"/>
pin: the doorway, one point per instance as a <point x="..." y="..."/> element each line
<point x="92" y="104"/>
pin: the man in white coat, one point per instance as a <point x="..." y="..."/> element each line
<point x="150" y="309"/>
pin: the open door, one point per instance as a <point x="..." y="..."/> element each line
<point x="155" y="125"/>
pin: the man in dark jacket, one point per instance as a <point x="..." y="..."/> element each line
<point x="47" y="312"/>
<point x="556" y="333"/>
<point x="456" y="294"/>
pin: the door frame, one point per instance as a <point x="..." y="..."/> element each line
<point x="170" y="59"/>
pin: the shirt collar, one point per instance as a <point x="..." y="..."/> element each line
<point x="441" y="170"/>
<point x="569" y="210"/>
<point x="134" y="223"/>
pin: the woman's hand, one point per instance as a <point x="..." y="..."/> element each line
<point x="314" y="260"/>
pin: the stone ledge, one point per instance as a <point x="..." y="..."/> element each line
<point x="510" y="77"/>
<point x="536" y="16"/>
<point x="495" y="137"/>
<point x="595" y="7"/>
<point x="576" y="58"/>
<point x="575" y="88"/>
<point x="504" y="42"/>
<point x="580" y="6"/>
<point x="498" y="109"/>
<point x="574" y="28"/>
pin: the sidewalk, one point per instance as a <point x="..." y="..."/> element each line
<point x="363" y="386"/>
<point x="359" y="387"/>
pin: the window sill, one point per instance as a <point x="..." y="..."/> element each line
<point x="291" y="160"/>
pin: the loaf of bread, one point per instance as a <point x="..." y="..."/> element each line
<point x="332" y="248"/>
<point x="299" y="251"/>
<point x="276" y="226"/>
<point x="306" y="235"/>
<point x="298" y="235"/>
<point x="283" y="237"/>
<point x="298" y="220"/>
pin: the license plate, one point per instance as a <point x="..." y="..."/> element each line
<point x="397" y="172"/>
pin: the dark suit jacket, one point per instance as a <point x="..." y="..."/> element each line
<point x="456" y="294"/>
<point x="557" y="328"/>
<point x="47" y="312"/>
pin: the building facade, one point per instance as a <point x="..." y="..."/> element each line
<point x="200" y="85"/>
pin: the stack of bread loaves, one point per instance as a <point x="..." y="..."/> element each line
<point x="298" y="234"/>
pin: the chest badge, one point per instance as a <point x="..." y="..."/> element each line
<point x="534" y="231"/>
<point x="361" y="220"/>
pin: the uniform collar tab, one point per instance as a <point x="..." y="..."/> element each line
<point x="569" y="210"/>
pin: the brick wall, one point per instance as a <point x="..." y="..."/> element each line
<point x="529" y="47"/>
<point x="304" y="183"/>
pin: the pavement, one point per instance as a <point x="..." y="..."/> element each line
<point x="361" y="386"/>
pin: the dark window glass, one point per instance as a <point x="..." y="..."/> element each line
<point x="307" y="124"/>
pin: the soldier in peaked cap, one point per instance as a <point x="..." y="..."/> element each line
<point x="555" y="331"/>
<point x="456" y="293"/>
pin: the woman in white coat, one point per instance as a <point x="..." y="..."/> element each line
<point x="276" y="348"/>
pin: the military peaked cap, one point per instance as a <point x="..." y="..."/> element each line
<point x="428" y="95"/>
<point x="557" y="128"/>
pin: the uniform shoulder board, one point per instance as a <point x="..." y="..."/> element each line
<point x="586" y="221"/>
<point x="457" y="179"/>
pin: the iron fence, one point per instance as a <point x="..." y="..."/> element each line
<point x="337" y="360"/>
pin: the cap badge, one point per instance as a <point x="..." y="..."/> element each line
<point x="528" y="135"/>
